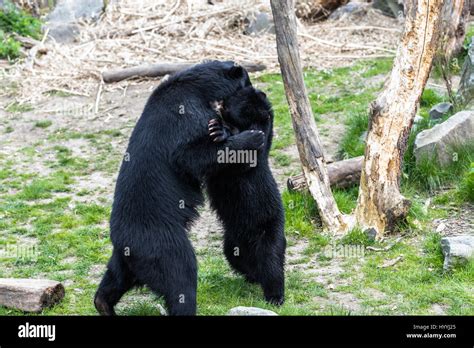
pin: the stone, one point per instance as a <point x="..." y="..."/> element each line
<point x="250" y="311"/>
<point x="440" y="110"/>
<point x="61" y="21"/>
<point x="441" y="227"/>
<point x="438" y="141"/>
<point x="371" y="233"/>
<point x="260" y="23"/>
<point x="466" y="84"/>
<point x="390" y="8"/>
<point x="457" y="251"/>
<point x="352" y="9"/>
<point x="363" y="137"/>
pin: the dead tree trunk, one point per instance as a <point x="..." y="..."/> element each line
<point x="307" y="137"/>
<point x="380" y="204"/>
<point x="455" y="16"/>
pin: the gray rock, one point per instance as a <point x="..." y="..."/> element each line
<point x="440" y="110"/>
<point x="438" y="141"/>
<point x="352" y="9"/>
<point x="260" y="23"/>
<point x="249" y="311"/>
<point x="61" y="21"/>
<point x="371" y="233"/>
<point x="466" y="85"/>
<point x="457" y="251"/>
<point x="363" y="137"/>
<point x="391" y="8"/>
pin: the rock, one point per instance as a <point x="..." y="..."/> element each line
<point x="61" y="21"/>
<point x="466" y="85"/>
<point x="249" y="311"/>
<point x="441" y="227"/>
<point x="391" y="8"/>
<point x="457" y="250"/>
<point x="440" y="110"/>
<point x="363" y="137"/>
<point x="259" y="23"/>
<point x="352" y="9"/>
<point x="438" y="141"/>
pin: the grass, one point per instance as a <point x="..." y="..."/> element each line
<point x="43" y="124"/>
<point x="14" y="20"/>
<point x="16" y="107"/>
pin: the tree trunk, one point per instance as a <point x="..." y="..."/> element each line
<point x="455" y="15"/>
<point x="342" y="174"/>
<point x="307" y="137"/>
<point x="380" y="203"/>
<point x="30" y="295"/>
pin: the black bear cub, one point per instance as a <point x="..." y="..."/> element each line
<point x="159" y="187"/>
<point x="246" y="199"/>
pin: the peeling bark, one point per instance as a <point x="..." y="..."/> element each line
<point x="307" y="137"/>
<point x="455" y="15"/>
<point x="380" y="203"/>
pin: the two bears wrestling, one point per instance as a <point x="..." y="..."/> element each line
<point x="174" y="150"/>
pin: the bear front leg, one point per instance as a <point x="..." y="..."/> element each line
<point x="202" y="158"/>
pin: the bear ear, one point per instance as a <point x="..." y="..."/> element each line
<point x="262" y="95"/>
<point x="236" y="72"/>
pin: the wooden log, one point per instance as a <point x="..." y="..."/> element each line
<point x="380" y="204"/>
<point x="160" y="69"/>
<point x="342" y="174"/>
<point x="30" y="295"/>
<point x="306" y="132"/>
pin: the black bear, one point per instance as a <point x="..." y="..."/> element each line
<point x="246" y="197"/>
<point x="159" y="187"/>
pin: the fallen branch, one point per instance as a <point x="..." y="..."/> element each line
<point x="30" y="295"/>
<point x="160" y="69"/>
<point x="341" y="174"/>
<point x="390" y="263"/>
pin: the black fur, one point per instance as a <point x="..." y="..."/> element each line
<point x="159" y="188"/>
<point x="247" y="199"/>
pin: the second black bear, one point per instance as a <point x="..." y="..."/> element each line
<point x="246" y="197"/>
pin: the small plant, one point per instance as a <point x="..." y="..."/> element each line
<point x="352" y="144"/>
<point x="14" y="20"/>
<point x="466" y="189"/>
<point x="356" y="237"/>
<point x="9" y="48"/>
<point x="43" y="124"/>
<point x="17" y="107"/>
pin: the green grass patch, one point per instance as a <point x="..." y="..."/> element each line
<point x="300" y="213"/>
<point x="16" y="107"/>
<point x="14" y="20"/>
<point x="43" y="124"/>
